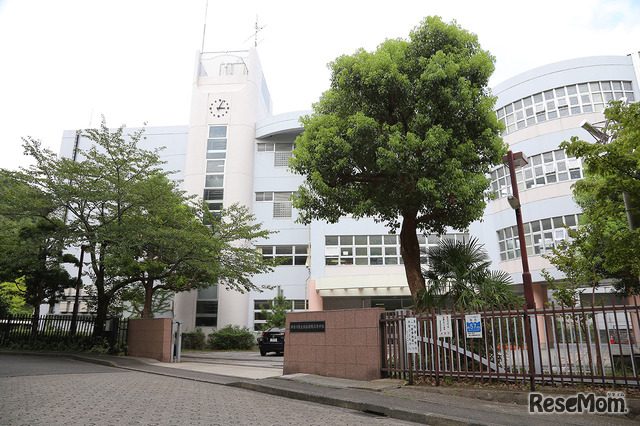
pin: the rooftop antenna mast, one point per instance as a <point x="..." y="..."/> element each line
<point x="204" y="27"/>
<point x="255" y="34"/>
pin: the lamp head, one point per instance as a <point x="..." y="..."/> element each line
<point x="519" y="159"/>
<point x="513" y="202"/>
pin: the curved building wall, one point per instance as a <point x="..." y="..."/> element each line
<point x="540" y="109"/>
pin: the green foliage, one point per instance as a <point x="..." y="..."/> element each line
<point x="458" y="276"/>
<point x="604" y="247"/>
<point x="194" y="339"/>
<point x="406" y="135"/>
<point x="138" y="228"/>
<point x="12" y="300"/>
<point x="134" y="301"/>
<point x="231" y="337"/>
<point x="31" y="255"/>
<point x="53" y="341"/>
<point x="276" y="312"/>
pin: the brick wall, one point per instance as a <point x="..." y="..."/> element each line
<point x="350" y="347"/>
<point x="150" y="338"/>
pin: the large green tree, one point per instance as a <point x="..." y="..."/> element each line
<point x="137" y="228"/>
<point x="601" y="248"/>
<point x="406" y="134"/>
<point x="608" y="244"/>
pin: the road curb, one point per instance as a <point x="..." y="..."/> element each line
<point x="375" y="409"/>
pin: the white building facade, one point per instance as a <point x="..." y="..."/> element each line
<point x="234" y="150"/>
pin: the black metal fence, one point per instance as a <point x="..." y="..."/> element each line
<point x="60" y="332"/>
<point x="569" y="346"/>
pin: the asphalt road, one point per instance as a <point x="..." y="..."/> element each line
<point x="39" y="390"/>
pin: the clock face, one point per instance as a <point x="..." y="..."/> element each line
<point x="219" y="108"/>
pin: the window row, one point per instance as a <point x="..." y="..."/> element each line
<point x="541" y="236"/>
<point x="259" y="319"/>
<point x="542" y="169"/>
<point x="286" y="254"/>
<point x="376" y="249"/>
<point x="563" y="101"/>
<point x="215" y="166"/>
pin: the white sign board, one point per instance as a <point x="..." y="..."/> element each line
<point x="411" y="335"/>
<point x="473" y="325"/>
<point x="444" y="325"/>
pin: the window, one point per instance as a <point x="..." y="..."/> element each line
<point x="238" y="68"/>
<point x="287" y="254"/>
<point x="282" y="205"/>
<point x="259" y="319"/>
<point x="281" y="150"/>
<point x="375" y="249"/>
<point x="561" y="102"/>
<point x="215" y="164"/>
<point x="543" y="169"/>
<point x="207" y="307"/>
<point x="540" y="236"/>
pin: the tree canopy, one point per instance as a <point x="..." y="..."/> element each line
<point x="405" y="135"/>
<point x="137" y="228"/>
<point x="607" y="245"/>
<point x="32" y="245"/>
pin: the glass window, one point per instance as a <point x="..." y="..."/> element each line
<point x="213" y="194"/>
<point x="346" y="240"/>
<point x="214" y="181"/>
<point x="361" y="240"/>
<point x="215" y="166"/>
<point x="216" y="144"/>
<point x="391" y="239"/>
<point x="331" y="240"/>
<point x="375" y="251"/>
<point x="218" y="131"/>
<point x="284" y="250"/>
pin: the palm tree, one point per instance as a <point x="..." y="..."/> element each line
<point x="458" y="276"/>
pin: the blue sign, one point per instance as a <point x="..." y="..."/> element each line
<point x="473" y="324"/>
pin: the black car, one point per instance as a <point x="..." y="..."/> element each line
<point x="271" y="340"/>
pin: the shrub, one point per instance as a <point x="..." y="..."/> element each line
<point x="193" y="340"/>
<point x="231" y="337"/>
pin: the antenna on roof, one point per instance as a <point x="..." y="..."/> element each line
<point x="204" y="27"/>
<point x="255" y="34"/>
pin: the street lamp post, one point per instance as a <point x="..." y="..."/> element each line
<point x="518" y="160"/>
<point x="531" y="333"/>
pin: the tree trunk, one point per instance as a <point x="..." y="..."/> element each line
<point x="102" y="310"/>
<point x="410" y="251"/>
<point x="148" y="298"/>
<point x="36" y="309"/>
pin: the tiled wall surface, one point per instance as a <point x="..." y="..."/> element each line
<point x="150" y="338"/>
<point x="350" y="347"/>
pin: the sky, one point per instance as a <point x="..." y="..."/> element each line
<point x="66" y="63"/>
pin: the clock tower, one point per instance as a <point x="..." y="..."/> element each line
<point x="229" y="95"/>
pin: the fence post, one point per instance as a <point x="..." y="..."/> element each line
<point x="178" y="340"/>
<point x="6" y="329"/>
<point x="529" y="336"/>
<point x="434" y="339"/>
